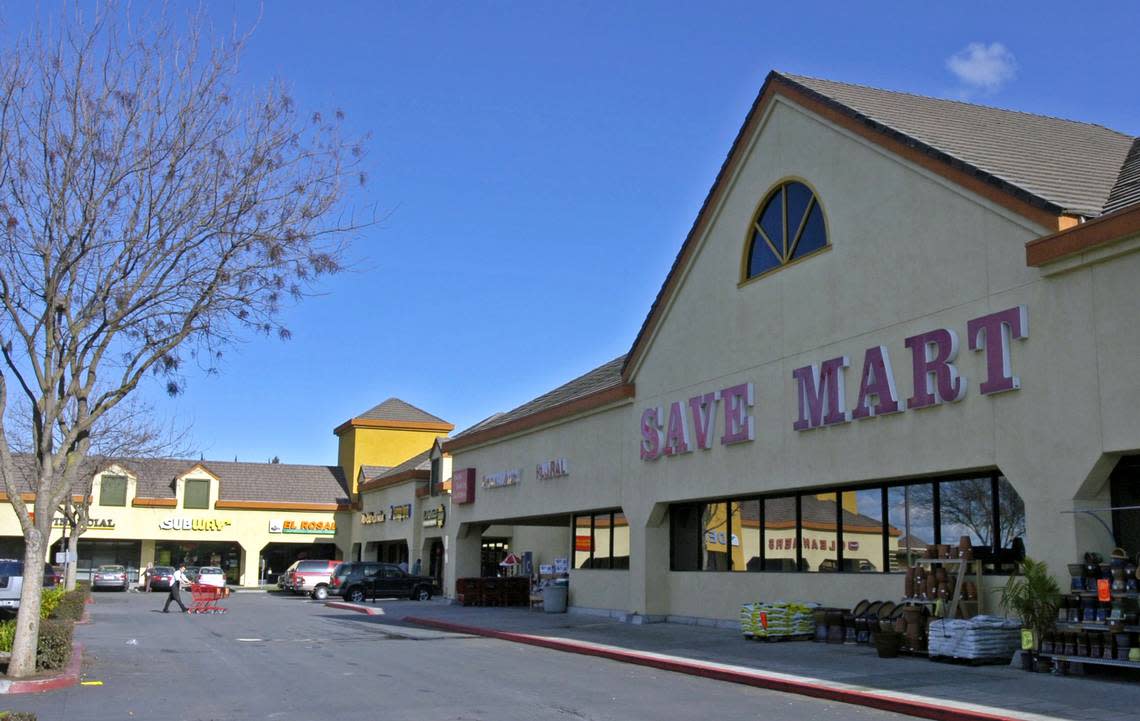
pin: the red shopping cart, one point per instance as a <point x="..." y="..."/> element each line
<point x="205" y="598"/>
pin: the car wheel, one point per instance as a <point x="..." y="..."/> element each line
<point x="423" y="593"/>
<point x="320" y="593"/>
<point x="355" y="594"/>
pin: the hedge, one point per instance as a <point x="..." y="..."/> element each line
<point x="17" y="716"/>
<point x="60" y="611"/>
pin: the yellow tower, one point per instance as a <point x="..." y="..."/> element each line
<point x="385" y="436"/>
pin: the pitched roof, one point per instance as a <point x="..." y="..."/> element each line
<point x="606" y="377"/>
<point x="395" y="409"/>
<point x="265" y="482"/>
<point x="1069" y="164"/>
<point x="418" y="462"/>
<point x="370" y="472"/>
<point x="1126" y="191"/>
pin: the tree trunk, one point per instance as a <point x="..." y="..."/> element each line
<point x="23" y="662"/>
<point x="72" y="567"/>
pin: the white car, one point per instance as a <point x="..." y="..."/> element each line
<point x="211" y="576"/>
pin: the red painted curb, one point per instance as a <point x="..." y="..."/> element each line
<point x="68" y="678"/>
<point x="353" y="607"/>
<point x="869" y="699"/>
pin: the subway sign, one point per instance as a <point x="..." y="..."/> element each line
<point x="181" y="523"/>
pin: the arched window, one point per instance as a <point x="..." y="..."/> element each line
<point x="788" y="226"/>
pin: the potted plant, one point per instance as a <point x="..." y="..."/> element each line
<point x="1033" y="595"/>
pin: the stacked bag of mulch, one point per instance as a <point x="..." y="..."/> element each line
<point x="980" y="637"/>
<point x="778" y="619"/>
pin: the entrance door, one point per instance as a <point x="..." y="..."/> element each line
<point x="1124" y="489"/>
<point x="435" y="562"/>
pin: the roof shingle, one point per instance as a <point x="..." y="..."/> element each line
<point x="395" y="409"/>
<point x="1070" y="164"/>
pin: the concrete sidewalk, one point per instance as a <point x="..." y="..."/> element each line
<point x="853" y="674"/>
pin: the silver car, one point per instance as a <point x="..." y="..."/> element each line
<point x="113" y="577"/>
<point x="12" y="582"/>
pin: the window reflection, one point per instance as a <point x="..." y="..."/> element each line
<point x="863" y="531"/>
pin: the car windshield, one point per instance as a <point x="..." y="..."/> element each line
<point x="309" y="566"/>
<point x="11" y="568"/>
<point x="210" y="571"/>
<point x="110" y="569"/>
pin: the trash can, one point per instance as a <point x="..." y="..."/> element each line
<point x="554" y="598"/>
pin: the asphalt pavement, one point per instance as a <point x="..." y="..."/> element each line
<point x="285" y="657"/>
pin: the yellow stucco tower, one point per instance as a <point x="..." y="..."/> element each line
<point x="385" y="436"/>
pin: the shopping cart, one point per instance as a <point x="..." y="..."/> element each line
<point x="205" y="598"/>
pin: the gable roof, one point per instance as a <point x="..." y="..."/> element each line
<point x="418" y="467"/>
<point x="396" y="413"/>
<point x="1126" y="191"/>
<point x="867" y="113"/>
<point x="1068" y="164"/>
<point x="395" y="409"/>
<point x="597" y="387"/>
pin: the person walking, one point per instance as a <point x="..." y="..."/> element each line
<point x="180" y="580"/>
<point x="146" y="574"/>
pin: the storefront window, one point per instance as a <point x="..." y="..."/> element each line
<point x="113" y="491"/>
<point x="967" y="508"/>
<point x="910" y="510"/>
<point x="603" y="539"/>
<point x="684" y="533"/>
<point x="714" y="537"/>
<point x="744" y="517"/>
<point x="1011" y="526"/>
<point x="583" y="541"/>
<point x="819" y="532"/>
<point x="780" y="534"/>
<point x="863" y="530"/>
<point x="196" y="494"/>
<point x="620" y="542"/>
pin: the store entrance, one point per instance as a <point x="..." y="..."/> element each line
<point x="94" y="553"/>
<point x="494" y="550"/>
<point x="276" y="557"/>
<point x="435" y="561"/>
<point x="224" y="554"/>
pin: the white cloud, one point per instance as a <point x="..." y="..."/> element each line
<point x="983" y="67"/>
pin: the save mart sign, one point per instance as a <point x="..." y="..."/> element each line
<point x="319" y="528"/>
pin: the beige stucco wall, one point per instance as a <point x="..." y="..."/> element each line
<point x="910" y="253"/>
<point x="608" y="590"/>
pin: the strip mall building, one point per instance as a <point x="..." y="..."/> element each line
<point x="896" y="321"/>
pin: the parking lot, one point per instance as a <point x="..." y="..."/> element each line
<point x="287" y="657"/>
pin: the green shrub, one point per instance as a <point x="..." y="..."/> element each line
<point x="54" y="648"/>
<point x="7" y="635"/>
<point x="17" y="716"/>
<point x="50" y="600"/>
<point x="72" y="604"/>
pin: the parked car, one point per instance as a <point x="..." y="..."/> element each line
<point x="12" y="582"/>
<point x="359" y="581"/>
<point x="110" y="577"/>
<point x="161" y="577"/>
<point x="192" y="573"/>
<point x="211" y="576"/>
<point x="311" y="577"/>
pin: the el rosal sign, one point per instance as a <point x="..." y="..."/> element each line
<point x="821" y="389"/>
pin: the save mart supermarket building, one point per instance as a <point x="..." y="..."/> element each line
<point x="896" y="321"/>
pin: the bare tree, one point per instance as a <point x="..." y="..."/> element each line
<point x="150" y="213"/>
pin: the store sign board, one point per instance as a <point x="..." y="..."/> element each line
<point x="502" y="479"/>
<point x="554" y="468"/>
<point x="401" y="512"/>
<point x="435" y="517"/>
<point x="310" y="528"/>
<point x="463" y="486"/>
<point x="93" y="524"/>
<point x="372" y="517"/>
<point x="821" y="391"/>
<point x="182" y="523"/>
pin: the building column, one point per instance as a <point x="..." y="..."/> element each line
<point x="462" y="557"/>
<point x="250" y="575"/>
<point x="648" y="562"/>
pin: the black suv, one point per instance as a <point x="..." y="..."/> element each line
<point x="361" y="580"/>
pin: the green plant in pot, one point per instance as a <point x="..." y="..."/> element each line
<point x="1033" y="595"/>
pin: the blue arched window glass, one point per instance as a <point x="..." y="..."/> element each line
<point x="788" y="226"/>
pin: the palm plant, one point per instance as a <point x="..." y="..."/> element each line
<point x="1033" y="595"/>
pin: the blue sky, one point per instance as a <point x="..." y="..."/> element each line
<point x="539" y="164"/>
